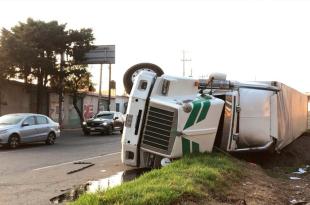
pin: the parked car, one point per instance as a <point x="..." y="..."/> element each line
<point x="27" y="127"/>
<point x="105" y="122"/>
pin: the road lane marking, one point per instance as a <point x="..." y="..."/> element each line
<point x="65" y="163"/>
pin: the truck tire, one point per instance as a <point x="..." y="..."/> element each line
<point x="133" y="71"/>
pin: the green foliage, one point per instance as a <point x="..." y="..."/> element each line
<point x="77" y="78"/>
<point x="33" y="50"/>
<point x="80" y="41"/>
<point x="195" y="176"/>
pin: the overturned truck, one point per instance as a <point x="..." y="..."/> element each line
<point x="168" y="116"/>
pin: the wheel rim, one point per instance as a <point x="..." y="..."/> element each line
<point x="14" y="142"/>
<point x="134" y="75"/>
<point x="51" y="138"/>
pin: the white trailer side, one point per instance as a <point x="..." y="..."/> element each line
<point x="292" y="115"/>
<point x="264" y="112"/>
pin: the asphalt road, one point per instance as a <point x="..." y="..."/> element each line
<point x="34" y="173"/>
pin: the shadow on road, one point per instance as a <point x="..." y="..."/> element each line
<point x="4" y="148"/>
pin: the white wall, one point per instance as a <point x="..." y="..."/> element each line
<point x="121" y="100"/>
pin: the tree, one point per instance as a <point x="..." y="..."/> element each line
<point x="77" y="82"/>
<point x="32" y="50"/>
<point x="16" y="58"/>
<point x="78" y="43"/>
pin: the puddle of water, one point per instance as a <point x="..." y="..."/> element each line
<point x="115" y="180"/>
<point x="98" y="185"/>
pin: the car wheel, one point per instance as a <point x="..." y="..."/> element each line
<point x="14" y="141"/>
<point x="133" y="71"/>
<point x="50" y="138"/>
<point x="110" y="130"/>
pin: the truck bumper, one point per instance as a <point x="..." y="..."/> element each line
<point x="130" y="154"/>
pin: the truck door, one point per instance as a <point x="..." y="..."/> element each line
<point x="255" y="118"/>
<point x="228" y="126"/>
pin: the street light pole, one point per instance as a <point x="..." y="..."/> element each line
<point x="109" y="100"/>
<point x="184" y="60"/>
<point x="99" y="97"/>
<point x="61" y="94"/>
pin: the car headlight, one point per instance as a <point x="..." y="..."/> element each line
<point x="105" y="123"/>
<point x="84" y="123"/>
<point x="3" y="131"/>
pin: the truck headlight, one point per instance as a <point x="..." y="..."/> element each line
<point x="3" y="131"/>
<point x="165" y="87"/>
<point x="105" y="123"/>
<point x="128" y="120"/>
<point x="84" y="123"/>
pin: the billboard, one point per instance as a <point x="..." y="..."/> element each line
<point x="102" y="54"/>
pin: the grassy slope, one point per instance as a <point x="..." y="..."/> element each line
<point x="192" y="177"/>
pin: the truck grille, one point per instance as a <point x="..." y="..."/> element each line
<point x="157" y="132"/>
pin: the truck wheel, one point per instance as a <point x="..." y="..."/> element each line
<point x="133" y="71"/>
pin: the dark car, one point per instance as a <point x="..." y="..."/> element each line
<point x="105" y="122"/>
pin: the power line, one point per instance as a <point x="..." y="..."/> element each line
<point x="184" y="60"/>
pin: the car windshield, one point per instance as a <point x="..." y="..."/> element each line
<point x="105" y="115"/>
<point x="10" y="119"/>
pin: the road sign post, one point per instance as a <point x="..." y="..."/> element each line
<point x="102" y="54"/>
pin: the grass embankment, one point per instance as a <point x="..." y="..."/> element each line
<point x="196" y="178"/>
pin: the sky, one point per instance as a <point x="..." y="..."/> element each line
<point x="248" y="40"/>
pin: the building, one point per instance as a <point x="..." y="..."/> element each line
<point x="121" y="103"/>
<point x="16" y="97"/>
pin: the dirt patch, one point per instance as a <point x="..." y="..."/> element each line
<point x="295" y="154"/>
<point x="270" y="178"/>
<point x="264" y="186"/>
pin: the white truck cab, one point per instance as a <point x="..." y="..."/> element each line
<point x="167" y="118"/>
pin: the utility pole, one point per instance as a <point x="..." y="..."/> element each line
<point x="1" y="86"/>
<point x="61" y="94"/>
<point x="184" y="60"/>
<point x="0" y="99"/>
<point x="99" y="97"/>
<point x="109" y="99"/>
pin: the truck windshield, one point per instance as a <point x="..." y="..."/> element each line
<point x="105" y="115"/>
<point x="10" y="119"/>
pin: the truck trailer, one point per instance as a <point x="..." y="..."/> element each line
<point x="168" y="117"/>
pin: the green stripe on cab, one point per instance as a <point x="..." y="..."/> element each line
<point x="186" y="146"/>
<point x="204" y="111"/>
<point x="195" y="147"/>
<point x="193" y="116"/>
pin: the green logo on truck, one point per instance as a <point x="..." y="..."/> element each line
<point x="200" y="105"/>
